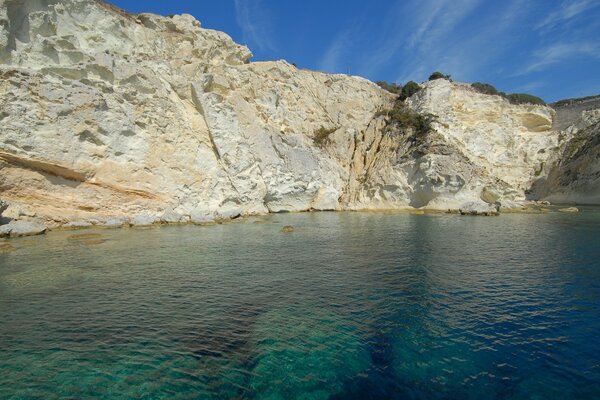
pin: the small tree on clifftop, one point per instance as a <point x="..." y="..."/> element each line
<point x="439" y="75"/>
<point x="409" y="89"/>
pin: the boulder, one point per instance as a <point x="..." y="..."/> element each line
<point x="141" y="220"/>
<point x="199" y="216"/>
<point x="172" y="217"/>
<point x="478" y="208"/>
<point x="569" y="209"/>
<point x="17" y="228"/>
<point x="78" y="224"/>
<point x="229" y="213"/>
<point x="5" y="230"/>
<point x="114" y="223"/>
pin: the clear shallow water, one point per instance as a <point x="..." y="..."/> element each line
<point x="349" y="306"/>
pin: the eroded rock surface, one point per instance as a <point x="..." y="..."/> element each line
<point x="3" y="206"/>
<point x="572" y="174"/>
<point x="108" y="117"/>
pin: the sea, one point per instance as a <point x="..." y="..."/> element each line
<point x="338" y="305"/>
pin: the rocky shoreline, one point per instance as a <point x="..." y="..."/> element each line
<point x="32" y="227"/>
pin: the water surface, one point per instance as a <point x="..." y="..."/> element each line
<point x="348" y="306"/>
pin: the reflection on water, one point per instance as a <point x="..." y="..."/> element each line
<point x="348" y="306"/>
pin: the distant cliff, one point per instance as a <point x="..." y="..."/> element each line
<point x="109" y="118"/>
<point x="572" y="174"/>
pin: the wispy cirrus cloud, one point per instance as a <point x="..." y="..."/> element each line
<point x="405" y="36"/>
<point x="566" y="12"/>
<point x="511" y="44"/>
<point x="331" y="60"/>
<point x="416" y="42"/>
<point x="253" y="19"/>
<point x="446" y="43"/>
<point x="561" y="52"/>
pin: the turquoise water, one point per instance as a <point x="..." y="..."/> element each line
<point x="348" y="306"/>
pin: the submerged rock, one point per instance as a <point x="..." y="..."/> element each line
<point x="434" y="370"/>
<point x="78" y="224"/>
<point x="88" y="238"/>
<point x="287" y="229"/>
<point x="6" y="248"/>
<point x="309" y="352"/>
<point x="85" y="236"/>
<point x="569" y="210"/>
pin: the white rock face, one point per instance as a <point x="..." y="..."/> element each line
<point x="112" y="117"/>
<point x="478" y="208"/>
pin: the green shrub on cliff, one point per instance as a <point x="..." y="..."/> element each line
<point x="401" y="117"/>
<point x="513" y="98"/>
<point x="390" y="87"/>
<point x="484" y="88"/>
<point x="409" y="89"/>
<point x="439" y="75"/>
<point x="321" y="135"/>
<point x="524" y="98"/>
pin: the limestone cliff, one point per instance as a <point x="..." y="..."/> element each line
<point x="107" y="117"/>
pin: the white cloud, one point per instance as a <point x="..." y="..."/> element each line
<point x="411" y="31"/>
<point x="404" y="35"/>
<point x="446" y="44"/>
<point x="568" y="10"/>
<point x="561" y="52"/>
<point x="428" y="16"/>
<point x="531" y="86"/>
<point x="253" y="19"/>
<point x="330" y="62"/>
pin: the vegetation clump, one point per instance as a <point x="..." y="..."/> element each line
<point x="439" y="75"/>
<point x="524" y="98"/>
<point x="513" y="98"/>
<point x="401" y="117"/>
<point x="409" y="89"/>
<point x="390" y="87"/>
<point x="569" y="102"/>
<point x="484" y="88"/>
<point x="321" y="135"/>
<point x="404" y="92"/>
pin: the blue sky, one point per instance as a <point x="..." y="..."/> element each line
<point x="550" y="48"/>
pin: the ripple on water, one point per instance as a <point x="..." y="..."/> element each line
<point x="307" y="350"/>
<point x="349" y="306"/>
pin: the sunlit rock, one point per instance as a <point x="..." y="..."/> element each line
<point x="107" y="116"/>
<point x="18" y="228"/>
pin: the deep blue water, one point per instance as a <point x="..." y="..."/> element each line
<point x="348" y="306"/>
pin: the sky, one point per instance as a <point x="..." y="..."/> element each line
<point x="550" y="48"/>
